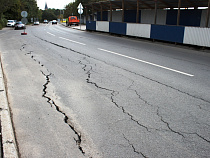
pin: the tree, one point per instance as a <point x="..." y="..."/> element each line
<point x="13" y="12"/>
<point x="51" y="14"/>
<point x="71" y="8"/>
<point x="31" y="7"/>
<point x="5" y="6"/>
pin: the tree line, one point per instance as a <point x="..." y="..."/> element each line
<point x="11" y="10"/>
<point x="71" y="8"/>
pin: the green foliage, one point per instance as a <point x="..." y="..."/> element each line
<point x="11" y="9"/>
<point x="31" y="7"/>
<point x="3" y="22"/>
<point x="13" y="12"/>
<point x="71" y="8"/>
<point x="50" y="14"/>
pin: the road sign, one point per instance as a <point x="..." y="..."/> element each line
<point x="80" y="11"/>
<point x="24" y="14"/>
<point x="80" y="8"/>
<point x="24" y="20"/>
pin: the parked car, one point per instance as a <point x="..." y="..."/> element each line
<point x="72" y="20"/>
<point x="36" y="22"/>
<point x="10" y="23"/>
<point x="45" y="22"/>
<point x="19" y="25"/>
<point x="54" y="22"/>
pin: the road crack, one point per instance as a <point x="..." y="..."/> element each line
<point x="78" y="140"/>
<point x="153" y="80"/>
<point x="112" y="92"/>
<point x="133" y="147"/>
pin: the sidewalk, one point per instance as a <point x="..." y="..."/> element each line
<point x="7" y="134"/>
<point x="83" y="27"/>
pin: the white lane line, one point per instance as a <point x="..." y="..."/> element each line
<point x="72" y="41"/>
<point x="51" y="34"/>
<point x="146" y="62"/>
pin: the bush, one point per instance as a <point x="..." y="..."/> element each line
<point x="3" y="23"/>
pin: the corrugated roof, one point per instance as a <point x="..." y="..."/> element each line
<point x="147" y="4"/>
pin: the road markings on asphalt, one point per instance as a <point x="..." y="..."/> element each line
<point x="146" y="62"/>
<point x="51" y="34"/>
<point x="72" y="41"/>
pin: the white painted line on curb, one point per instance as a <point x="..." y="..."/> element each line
<point x="146" y="62"/>
<point x="51" y="34"/>
<point x="72" y="41"/>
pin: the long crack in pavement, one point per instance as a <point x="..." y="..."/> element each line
<point x="66" y="119"/>
<point x="78" y="140"/>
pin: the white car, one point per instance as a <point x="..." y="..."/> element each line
<point x="10" y="23"/>
<point x="54" y="22"/>
<point x="36" y="22"/>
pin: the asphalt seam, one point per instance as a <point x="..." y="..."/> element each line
<point x="8" y="137"/>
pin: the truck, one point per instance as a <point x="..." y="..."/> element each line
<point x="72" y="20"/>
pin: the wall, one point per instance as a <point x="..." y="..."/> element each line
<point x="203" y="19"/>
<point x="187" y="17"/>
<point x="138" y="30"/>
<point x="191" y="17"/>
<point x="102" y="26"/>
<point x="179" y="34"/>
<point x="116" y="16"/>
<point x="197" y="36"/>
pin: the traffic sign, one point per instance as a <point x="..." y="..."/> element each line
<point x="24" y="14"/>
<point x="80" y="11"/>
<point x="80" y="8"/>
<point x="24" y="20"/>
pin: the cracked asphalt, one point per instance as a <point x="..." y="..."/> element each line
<point x="85" y="94"/>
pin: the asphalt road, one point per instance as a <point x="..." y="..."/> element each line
<point x="84" y="94"/>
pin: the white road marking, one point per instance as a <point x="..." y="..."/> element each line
<point x="72" y="41"/>
<point x="51" y="34"/>
<point x="146" y="62"/>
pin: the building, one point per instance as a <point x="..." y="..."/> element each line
<point x="46" y="6"/>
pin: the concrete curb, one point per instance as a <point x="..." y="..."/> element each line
<point x="75" y="27"/>
<point x="8" y="138"/>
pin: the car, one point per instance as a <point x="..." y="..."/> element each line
<point x="10" y="23"/>
<point x="54" y="22"/>
<point x="36" y="22"/>
<point x="45" y="22"/>
<point x="19" y="25"/>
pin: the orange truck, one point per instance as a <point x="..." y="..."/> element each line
<point x="72" y="20"/>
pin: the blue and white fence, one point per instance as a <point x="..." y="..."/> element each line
<point x="179" y="34"/>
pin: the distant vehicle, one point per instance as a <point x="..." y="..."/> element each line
<point x="64" y="20"/>
<point x="54" y="22"/>
<point x="19" y="25"/>
<point x="72" y="20"/>
<point x="45" y="22"/>
<point x="10" y="23"/>
<point x="36" y="22"/>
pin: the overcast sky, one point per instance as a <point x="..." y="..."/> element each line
<point x="57" y="4"/>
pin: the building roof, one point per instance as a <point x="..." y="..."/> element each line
<point x="147" y="4"/>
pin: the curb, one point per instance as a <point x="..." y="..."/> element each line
<point x="76" y="28"/>
<point x="8" y="139"/>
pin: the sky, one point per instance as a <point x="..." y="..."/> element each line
<point x="57" y="4"/>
